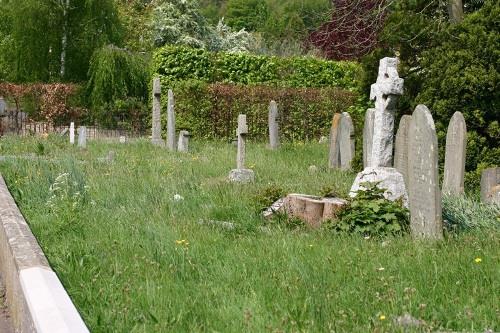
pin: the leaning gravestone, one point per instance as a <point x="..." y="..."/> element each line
<point x="490" y="189"/>
<point x="423" y="177"/>
<point x="274" y="140"/>
<point x="156" y="130"/>
<point x="334" y="154"/>
<point x="368" y="137"/>
<point x="183" y="144"/>
<point x="401" y="147"/>
<point x="454" y="161"/>
<point x="346" y="141"/>
<point x="240" y="174"/>
<point x="82" y="137"/>
<point x="72" y="133"/>
<point x="385" y="92"/>
<point x="171" y="121"/>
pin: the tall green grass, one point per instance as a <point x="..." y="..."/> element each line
<point x="134" y="259"/>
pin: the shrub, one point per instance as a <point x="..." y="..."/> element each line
<point x="369" y="213"/>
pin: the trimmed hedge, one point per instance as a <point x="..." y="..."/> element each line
<point x="210" y="111"/>
<point x="178" y="63"/>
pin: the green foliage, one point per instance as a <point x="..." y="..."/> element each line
<point x="464" y="213"/>
<point x="175" y="63"/>
<point x="40" y="149"/>
<point x="246" y="14"/>
<point x="370" y="214"/>
<point x="116" y="74"/>
<point x="210" y="110"/>
<point x="265" y="197"/>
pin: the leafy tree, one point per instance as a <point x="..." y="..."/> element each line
<point x="246" y="14"/>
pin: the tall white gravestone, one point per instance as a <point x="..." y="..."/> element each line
<point x="423" y="177"/>
<point x="240" y="174"/>
<point x="385" y="92"/>
<point x="171" y="144"/>
<point x="454" y="160"/>
<point x="156" y="129"/>
<point x="72" y="133"/>
<point x="82" y="137"/>
<point x="274" y="140"/>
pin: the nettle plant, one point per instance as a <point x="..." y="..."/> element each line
<point x="370" y="214"/>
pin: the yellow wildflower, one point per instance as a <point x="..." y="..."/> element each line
<point x="478" y="260"/>
<point x="382" y="317"/>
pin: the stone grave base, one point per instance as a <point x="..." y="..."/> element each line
<point x="311" y="209"/>
<point x="241" y="176"/>
<point x="389" y="179"/>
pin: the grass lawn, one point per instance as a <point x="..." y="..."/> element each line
<point x="134" y="259"/>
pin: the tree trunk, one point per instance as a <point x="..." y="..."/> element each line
<point x="456" y="11"/>
<point x="64" y="41"/>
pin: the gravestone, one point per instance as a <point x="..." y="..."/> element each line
<point x="274" y="140"/>
<point x="454" y="161"/>
<point x="423" y="177"/>
<point x="82" y="137"/>
<point x="156" y="130"/>
<point x="346" y="141"/>
<point x="368" y="137"/>
<point x="385" y="92"/>
<point x="240" y="174"/>
<point x="72" y="133"/>
<point x="490" y="181"/>
<point x="123" y="139"/>
<point x="171" y="144"/>
<point x="3" y="106"/>
<point x="401" y="147"/>
<point x="334" y="154"/>
<point x="183" y="144"/>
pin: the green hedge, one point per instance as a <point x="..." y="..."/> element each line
<point x="210" y="111"/>
<point x="177" y="63"/>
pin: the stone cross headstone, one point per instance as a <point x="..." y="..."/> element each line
<point x="423" y="177"/>
<point x="171" y="143"/>
<point x="385" y="92"/>
<point x="401" y="147"/>
<point x="72" y="133"/>
<point x="240" y="174"/>
<point x="156" y="130"/>
<point x="490" y="181"/>
<point x="183" y="144"/>
<point x="274" y="140"/>
<point x="368" y="137"/>
<point x="334" y="153"/>
<point x="82" y="137"/>
<point x="346" y="141"/>
<point x="454" y="160"/>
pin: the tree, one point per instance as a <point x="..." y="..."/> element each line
<point x="246" y="14"/>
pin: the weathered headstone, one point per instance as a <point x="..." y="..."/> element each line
<point x="346" y="141"/>
<point x="490" y="181"/>
<point x="3" y="106"/>
<point x="156" y="130"/>
<point x="183" y="144"/>
<point x="274" y="140"/>
<point x="82" y="137"/>
<point x="72" y="133"/>
<point x="123" y="139"/>
<point x="240" y="174"/>
<point x="334" y="154"/>
<point x="171" y="144"/>
<point x="385" y="92"/>
<point x="368" y="136"/>
<point x="401" y="147"/>
<point x="454" y="161"/>
<point x="423" y="177"/>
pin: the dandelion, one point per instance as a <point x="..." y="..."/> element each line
<point x="182" y="242"/>
<point x="478" y="260"/>
<point x="381" y="317"/>
<point x="178" y="197"/>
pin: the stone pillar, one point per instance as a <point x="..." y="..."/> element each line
<point x="171" y="122"/>
<point x="183" y="143"/>
<point x="401" y="149"/>
<point x="156" y="121"/>
<point x="334" y="154"/>
<point x="72" y="133"/>
<point x="368" y="137"/>
<point x="82" y="137"/>
<point x="454" y="161"/>
<point x="490" y="181"/>
<point x="274" y="140"/>
<point x="240" y="174"/>
<point x="346" y="141"/>
<point x="385" y="92"/>
<point x="423" y="177"/>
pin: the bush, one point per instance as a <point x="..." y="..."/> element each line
<point x="210" y="111"/>
<point x="369" y="213"/>
<point x="178" y="63"/>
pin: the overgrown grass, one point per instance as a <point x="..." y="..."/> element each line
<point x="135" y="260"/>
